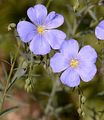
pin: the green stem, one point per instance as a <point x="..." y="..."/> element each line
<point x="8" y="80"/>
<point x="31" y="65"/>
<point x="55" y="83"/>
<point x="39" y="1"/>
<point x="48" y="4"/>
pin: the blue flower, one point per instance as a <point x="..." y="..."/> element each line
<point x="41" y="32"/>
<point x="76" y="65"/>
<point x="99" y="30"/>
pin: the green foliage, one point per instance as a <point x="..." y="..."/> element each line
<point x="32" y="73"/>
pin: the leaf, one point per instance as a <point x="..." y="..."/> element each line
<point x="92" y="14"/>
<point x="100" y="93"/>
<point x="60" y="109"/>
<point x="4" y="70"/>
<point x="76" y="5"/>
<point x="12" y="109"/>
<point x="19" y="73"/>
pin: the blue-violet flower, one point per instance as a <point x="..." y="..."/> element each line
<point x="99" y="30"/>
<point x="75" y="64"/>
<point x="41" y="32"/>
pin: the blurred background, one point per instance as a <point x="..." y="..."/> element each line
<point x="81" y="18"/>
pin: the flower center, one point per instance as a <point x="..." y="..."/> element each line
<point x="74" y="63"/>
<point x="40" y="29"/>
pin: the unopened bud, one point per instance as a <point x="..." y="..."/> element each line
<point x="83" y="114"/>
<point x="79" y="110"/>
<point x="83" y="99"/>
<point x="11" y="26"/>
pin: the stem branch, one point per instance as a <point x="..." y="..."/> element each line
<point x="8" y="80"/>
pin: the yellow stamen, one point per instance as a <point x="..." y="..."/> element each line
<point x="74" y="63"/>
<point x="40" y="29"/>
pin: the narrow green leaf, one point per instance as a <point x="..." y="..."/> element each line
<point x="92" y="14"/>
<point x="8" y="110"/>
<point x="76" y="5"/>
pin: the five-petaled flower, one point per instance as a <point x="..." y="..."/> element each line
<point x="99" y="30"/>
<point x="75" y="64"/>
<point x="41" y="32"/>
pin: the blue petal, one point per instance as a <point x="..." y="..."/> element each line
<point x="54" y="20"/>
<point x="70" y="78"/>
<point x="87" y="54"/>
<point x="37" y="14"/>
<point x="39" y="45"/>
<point x="55" y="38"/>
<point x="99" y="30"/>
<point x="26" y="31"/>
<point x="69" y="48"/>
<point x="58" y="63"/>
<point x="86" y="71"/>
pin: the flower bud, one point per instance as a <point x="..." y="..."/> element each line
<point x="79" y="110"/>
<point x="83" y="99"/>
<point x="83" y="114"/>
<point x="11" y="26"/>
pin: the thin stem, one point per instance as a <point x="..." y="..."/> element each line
<point x="55" y="83"/>
<point x="39" y="1"/>
<point x="8" y="80"/>
<point x="48" y="4"/>
<point x="31" y="65"/>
